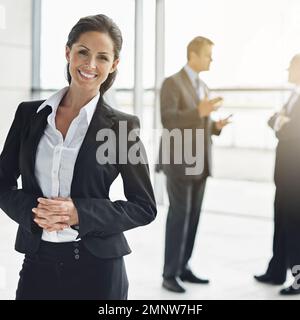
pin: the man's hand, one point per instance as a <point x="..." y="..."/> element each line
<point x="223" y="122"/>
<point x="205" y="107"/>
<point x="55" y="214"/>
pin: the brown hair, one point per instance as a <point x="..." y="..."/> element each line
<point x="100" y="23"/>
<point x="197" y="44"/>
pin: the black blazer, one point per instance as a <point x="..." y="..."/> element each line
<point x="287" y="163"/>
<point x="178" y="106"/>
<point x="101" y="221"/>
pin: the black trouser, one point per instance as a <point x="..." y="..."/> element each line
<point x="185" y="197"/>
<point x="286" y="241"/>
<point x="292" y="225"/>
<point x="278" y="264"/>
<point x="68" y="271"/>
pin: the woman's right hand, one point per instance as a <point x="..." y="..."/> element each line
<point x="51" y="217"/>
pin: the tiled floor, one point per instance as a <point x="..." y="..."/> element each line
<point x="233" y="243"/>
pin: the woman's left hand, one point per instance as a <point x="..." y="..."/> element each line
<point x="58" y="206"/>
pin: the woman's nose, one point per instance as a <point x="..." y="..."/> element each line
<point x="92" y="62"/>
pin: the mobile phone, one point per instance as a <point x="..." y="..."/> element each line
<point x="216" y="100"/>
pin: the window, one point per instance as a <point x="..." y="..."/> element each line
<point x="58" y="17"/>
<point x="254" y="40"/>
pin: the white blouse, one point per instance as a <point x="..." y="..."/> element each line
<point x="56" y="157"/>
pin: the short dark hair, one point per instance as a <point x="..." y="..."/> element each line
<point x="103" y="24"/>
<point x="197" y="44"/>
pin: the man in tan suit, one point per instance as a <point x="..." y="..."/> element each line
<point x="185" y="104"/>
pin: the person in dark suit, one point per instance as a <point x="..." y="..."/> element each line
<point x="286" y="239"/>
<point x="69" y="229"/>
<point x="185" y="105"/>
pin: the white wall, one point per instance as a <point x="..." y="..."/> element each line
<point x="15" y="61"/>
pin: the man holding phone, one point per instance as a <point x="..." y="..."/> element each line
<point x="185" y="104"/>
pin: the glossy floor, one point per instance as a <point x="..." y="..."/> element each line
<point x="233" y="243"/>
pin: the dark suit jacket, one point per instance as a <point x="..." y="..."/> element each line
<point x="287" y="163"/>
<point x="178" y="104"/>
<point x="101" y="221"/>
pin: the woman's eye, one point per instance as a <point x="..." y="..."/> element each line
<point x="103" y="58"/>
<point x="83" y="52"/>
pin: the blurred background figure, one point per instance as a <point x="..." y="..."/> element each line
<point x="185" y="104"/>
<point x="286" y="241"/>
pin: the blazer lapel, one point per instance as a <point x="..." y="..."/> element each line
<point x="37" y="127"/>
<point x="295" y="108"/>
<point x="103" y="118"/>
<point x="188" y="84"/>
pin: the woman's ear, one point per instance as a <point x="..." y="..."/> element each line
<point x="114" y="65"/>
<point x="67" y="53"/>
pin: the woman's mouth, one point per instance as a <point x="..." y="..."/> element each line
<point x="86" y="75"/>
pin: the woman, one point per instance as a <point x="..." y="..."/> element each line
<point x="69" y="229"/>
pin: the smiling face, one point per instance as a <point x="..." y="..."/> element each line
<point x="91" y="60"/>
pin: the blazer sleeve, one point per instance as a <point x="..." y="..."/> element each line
<point x="271" y="121"/>
<point x="13" y="201"/>
<point x="103" y="217"/>
<point x="172" y="115"/>
<point x="289" y="131"/>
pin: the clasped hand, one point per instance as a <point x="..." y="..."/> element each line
<point x="55" y="214"/>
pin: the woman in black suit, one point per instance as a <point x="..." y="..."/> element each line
<point x="69" y="229"/>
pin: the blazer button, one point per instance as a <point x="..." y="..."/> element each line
<point x="77" y="256"/>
